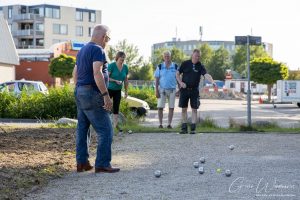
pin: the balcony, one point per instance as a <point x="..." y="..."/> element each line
<point x="27" y="17"/>
<point x="28" y="46"/>
<point x="29" y="33"/>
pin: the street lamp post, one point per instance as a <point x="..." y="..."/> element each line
<point x="249" y="84"/>
<point x="248" y="40"/>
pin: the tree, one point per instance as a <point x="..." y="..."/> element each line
<point x="239" y="61"/>
<point x="62" y="67"/>
<point x="294" y="75"/>
<point x="131" y="51"/>
<point x="218" y="63"/>
<point x="146" y="72"/>
<point x="177" y="55"/>
<point x="267" y="71"/>
<point x="206" y="54"/>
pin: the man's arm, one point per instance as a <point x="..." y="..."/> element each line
<point x="210" y="79"/>
<point x="100" y="82"/>
<point x="74" y="73"/>
<point x="178" y="77"/>
<point x="156" y="87"/>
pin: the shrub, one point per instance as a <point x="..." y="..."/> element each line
<point x="60" y="102"/>
<point x="146" y="93"/>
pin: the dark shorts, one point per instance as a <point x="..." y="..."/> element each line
<point x="115" y="95"/>
<point x="191" y="94"/>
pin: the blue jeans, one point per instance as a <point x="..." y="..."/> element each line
<point x="90" y="111"/>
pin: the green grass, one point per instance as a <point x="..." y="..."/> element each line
<point x="208" y="125"/>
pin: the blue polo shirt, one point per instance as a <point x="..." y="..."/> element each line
<point x="88" y="54"/>
<point x="167" y="76"/>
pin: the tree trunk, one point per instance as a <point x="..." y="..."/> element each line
<point x="269" y="92"/>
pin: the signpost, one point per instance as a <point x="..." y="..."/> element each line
<point x="248" y="40"/>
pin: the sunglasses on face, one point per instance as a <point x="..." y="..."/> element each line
<point x="107" y="38"/>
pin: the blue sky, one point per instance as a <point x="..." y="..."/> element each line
<point x="144" y="22"/>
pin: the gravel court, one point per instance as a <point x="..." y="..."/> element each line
<point x="264" y="166"/>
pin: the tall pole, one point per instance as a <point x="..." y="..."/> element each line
<point x="249" y="85"/>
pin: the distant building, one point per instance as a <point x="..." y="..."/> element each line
<point x="34" y="63"/>
<point x="8" y="54"/>
<point x="188" y="46"/>
<point x="41" y="26"/>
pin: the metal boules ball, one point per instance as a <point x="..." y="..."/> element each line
<point x="157" y="173"/>
<point x="231" y="147"/>
<point x="196" y="164"/>
<point x="201" y="170"/>
<point x="228" y="172"/>
<point x="202" y="160"/>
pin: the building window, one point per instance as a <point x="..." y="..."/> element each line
<point x="232" y="85"/>
<point x="37" y="10"/>
<point x="40" y="42"/>
<point x="55" y="41"/>
<point x="1" y="11"/>
<point x="92" y="17"/>
<point x="253" y="85"/>
<point x="52" y="13"/>
<point x="91" y="31"/>
<point x="61" y="29"/>
<point x="79" y="15"/>
<point x="40" y="27"/>
<point x="10" y="12"/>
<point x="56" y="13"/>
<point x="79" y="31"/>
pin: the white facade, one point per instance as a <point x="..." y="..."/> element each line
<point x="288" y="91"/>
<point x="241" y="85"/>
<point x="7" y="72"/>
<point x="8" y="54"/>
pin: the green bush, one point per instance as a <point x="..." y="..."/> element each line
<point x="60" y="102"/>
<point x="146" y="93"/>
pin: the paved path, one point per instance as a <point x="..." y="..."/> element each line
<point x="264" y="167"/>
<point x="221" y="111"/>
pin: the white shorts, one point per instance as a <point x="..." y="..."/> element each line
<point x="166" y="94"/>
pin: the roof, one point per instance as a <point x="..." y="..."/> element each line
<point x="8" y="52"/>
<point x="34" y="53"/>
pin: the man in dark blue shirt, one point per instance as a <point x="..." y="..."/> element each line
<point x="188" y="77"/>
<point x="93" y="103"/>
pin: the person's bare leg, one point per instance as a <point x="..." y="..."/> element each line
<point x="170" y="116"/>
<point x="116" y="120"/>
<point x="184" y="115"/>
<point x="184" y="121"/>
<point x="160" y="115"/>
<point x="194" y="116"/>
<point x="194" y="121"/>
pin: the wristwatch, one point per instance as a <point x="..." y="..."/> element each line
<point x="104" y="94"/>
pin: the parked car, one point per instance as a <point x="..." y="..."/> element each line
<point x="138" y="106"/>
<point x="16" y="87"/>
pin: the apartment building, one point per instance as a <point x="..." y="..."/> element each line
<point x="188" y="46"/>
<point x="41" y="26"/>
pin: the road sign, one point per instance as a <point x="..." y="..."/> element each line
<point x="242" y="40"/>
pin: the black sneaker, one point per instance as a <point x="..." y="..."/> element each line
<point x="169" y="127"/>
<point x="183" y="129"/>
<point x="160" y="126"/>
<point x="193" y="128"/>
